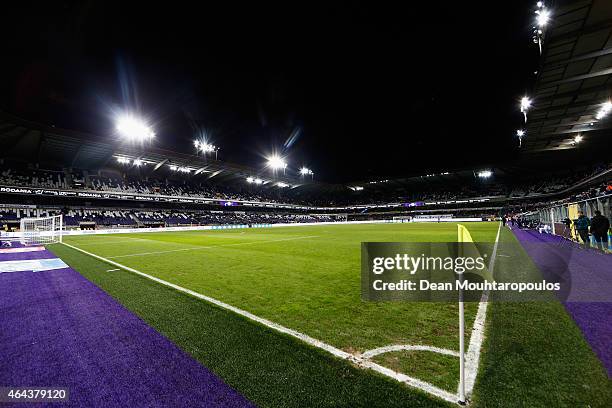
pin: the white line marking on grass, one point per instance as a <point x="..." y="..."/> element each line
<point x="408" y="347"/>
<point x="359" y="361"/>
<point x="473" y="354"/>
<point x="112" y="270"/>
<point x="196" y="248"/>
<point x="105" y="242"/>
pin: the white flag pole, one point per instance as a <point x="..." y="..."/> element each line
<point x="461" y="350"/>
<point x="461" y="390"/>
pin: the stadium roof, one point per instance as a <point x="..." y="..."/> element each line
<point x="574" y="79"/>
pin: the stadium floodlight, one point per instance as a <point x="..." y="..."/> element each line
<point x="205" y="147"/>
<point x="578" y="139"/>
<point x="305" y="171"/>
<point x="604" y="110"/>
<point x="123" y="160"/>
<point x="138" y="162"/>
<point x="542" y="16"/>
<point x="485" y="173"/>
<point x="525" y="105"/>
<point x="281" y="184"/>
<point x="180" y="169"/>
<point x="520" y="133"/>
<point x="134" y="129"/>
<point x="253" y="180"/>
<point x="276" y="162"/>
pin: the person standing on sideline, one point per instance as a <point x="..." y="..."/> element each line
<point x="599" y="229"/>
<point x="503" y="220"/>
<point x="582" y="227"/>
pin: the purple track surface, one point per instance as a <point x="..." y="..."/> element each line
<point x="593" y="318"/>
<point x="59" y="330"/>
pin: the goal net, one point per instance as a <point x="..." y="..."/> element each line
<point x="40" y="231"/>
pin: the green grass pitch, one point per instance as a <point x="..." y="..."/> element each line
<point x="307" y="278"/>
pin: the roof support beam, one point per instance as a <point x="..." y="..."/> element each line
<point x="578" y="92"/>
<point x="570" y="131"/>
<point x="605" y="24"/>
<point x="582" y="57"/>
<point x="595" y="74"/>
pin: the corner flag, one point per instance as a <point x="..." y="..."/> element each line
<point x="463" y="235"/>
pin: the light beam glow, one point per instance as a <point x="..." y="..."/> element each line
<point x="305" y="171"/>
<point x="605" y="109"/>
<point x="204" y="146"/>
<point x="276" y="163"/>
<point x="134" y="129"/>
<point x="542" y="17"/>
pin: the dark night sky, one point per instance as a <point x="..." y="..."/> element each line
<point x="353" y="90"/>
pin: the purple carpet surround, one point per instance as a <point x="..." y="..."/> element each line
<point x="57" y="329"/>
<point x="589" y="269"/>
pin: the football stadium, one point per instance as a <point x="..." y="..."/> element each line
<point x="300" y="205"/>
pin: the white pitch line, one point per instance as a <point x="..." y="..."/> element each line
<point x="408" y="347"/>
<point x="120" y="242"/>
<point x="472" y="357"/>
<point x="359" y="361"/>
<point x="196" y="248"/>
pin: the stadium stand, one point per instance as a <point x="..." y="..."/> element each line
<point x="108" y="181"/>
<point x="421" y="195"/>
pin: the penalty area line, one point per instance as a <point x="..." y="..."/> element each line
<point x="199" y="248"/>
<point x="357" y="360"/>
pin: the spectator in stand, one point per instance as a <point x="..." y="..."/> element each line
<point x="582" y="227"/>
<point x="599" y="229"/>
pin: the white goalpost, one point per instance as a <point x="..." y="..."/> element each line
<point x="41" y="231"/>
